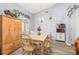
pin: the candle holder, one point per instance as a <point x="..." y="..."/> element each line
<point x="39" y="29"/>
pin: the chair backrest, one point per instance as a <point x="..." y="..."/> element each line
<point x="26" y="41"/>
<point x="48" y="40"/>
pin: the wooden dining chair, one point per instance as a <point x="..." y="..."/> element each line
<point x="47" y="45"/>
<point x="37" y="50"/>
<point x="27" y="46"/>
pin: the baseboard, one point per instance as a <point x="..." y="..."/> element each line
<point x="60" y="41"/>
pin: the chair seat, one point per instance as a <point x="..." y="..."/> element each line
<point x="47" y="45"/>
<point x="28" y="48"/>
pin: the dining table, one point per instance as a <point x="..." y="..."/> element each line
<point x="37" y="39"/>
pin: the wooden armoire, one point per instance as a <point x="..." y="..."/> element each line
<point x="10" y="34"/>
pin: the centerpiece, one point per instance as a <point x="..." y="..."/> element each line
<point x="39" y="30"/>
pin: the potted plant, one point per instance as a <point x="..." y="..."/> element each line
<point x="13" y="13"/>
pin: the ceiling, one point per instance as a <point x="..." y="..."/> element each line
<point x="36" y="7"/>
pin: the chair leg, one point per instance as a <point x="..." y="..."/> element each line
<point x="23" y="52"/>
<point x="47" y="51"/>
<point x="30" y="53"/>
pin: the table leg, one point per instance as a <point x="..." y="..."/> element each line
<point x="42" y="48"/>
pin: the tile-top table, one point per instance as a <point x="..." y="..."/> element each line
<point x="35" y="36"/>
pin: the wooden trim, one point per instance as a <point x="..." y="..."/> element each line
<point x="10" y="17"/>
<point x="0" y="35"/>
<point x="60" y="41"/>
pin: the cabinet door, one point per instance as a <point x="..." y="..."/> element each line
<point x="8" y="46"/>
<point x="5" y="28"/>
<point x="17" y="29"/>
<point x="12" y="29"/>
<point x="17" y="34"/>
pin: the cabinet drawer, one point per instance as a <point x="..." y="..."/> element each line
<point x="60" y="36"/>
<point x="8" y="48"/>
<point x="6" y="52"/>
<point x="6" y="41"/>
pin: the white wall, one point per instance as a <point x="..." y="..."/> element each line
<point x="77" y="23"/>
<point x="73" y="27"/>
<point x="59" y="15"/>
<point x="11" y="6"/>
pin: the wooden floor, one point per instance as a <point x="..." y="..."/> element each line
<point x="58" y="48"/>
